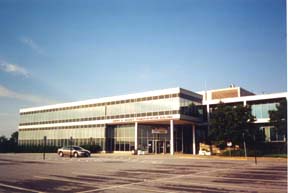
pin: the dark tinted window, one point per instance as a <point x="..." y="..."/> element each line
<point x="77" y="148"/>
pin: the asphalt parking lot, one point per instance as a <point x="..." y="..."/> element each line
<point x="145" y="173"/>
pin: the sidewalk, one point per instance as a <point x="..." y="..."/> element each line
<point x="230" y="158"/>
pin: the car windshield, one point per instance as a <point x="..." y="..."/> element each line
<point x="78" y="148"/>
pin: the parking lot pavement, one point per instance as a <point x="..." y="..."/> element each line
<point x="146" y="173"/>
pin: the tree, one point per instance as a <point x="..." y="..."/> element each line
<point x="13" y="141"/>
<point x="14" y="138"/>
<point x="3" y="139"/>
<point x="229" y="123"/>
<point x="4" y="144"/>
<point x="9" y="145"/>
<point x="278" y="118"/>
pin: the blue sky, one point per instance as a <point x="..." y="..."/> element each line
<point x="60" y="51"/>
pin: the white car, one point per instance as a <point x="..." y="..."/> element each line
<point x="204" y="152"/>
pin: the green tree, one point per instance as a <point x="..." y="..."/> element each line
<point x="14" y="138"/>
<point x="229" y="123"/>
<point x="278" y="118"/>
<point x="4" y="144"/>
<point x="9" y="145"/>
<point x="13" y="142"/>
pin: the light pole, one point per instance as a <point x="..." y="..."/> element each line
<point x="44" y="148"/>
<point x="70" y="146"/>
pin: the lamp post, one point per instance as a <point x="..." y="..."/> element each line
<point x="70" y="146"/>
<point x="44" y="148"/>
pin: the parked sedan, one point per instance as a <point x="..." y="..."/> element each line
<point x="74" y="151"/>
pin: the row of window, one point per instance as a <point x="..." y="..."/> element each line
<point x="64" y="127"/>
<point x="88" y="132"/>
<point x="65" y="142"/>
<point x="104" y="118"/>
<point x="272" y="134"/>
<point x="106" y="103"/>
<point x="112" y="110"/>
<point x="262" y="110"/>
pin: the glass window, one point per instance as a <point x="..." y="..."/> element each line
<point x="261" y="111"/>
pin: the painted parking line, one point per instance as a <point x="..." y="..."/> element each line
<point x="145" y="172"/>
<point x="242" y="179"/>
<point x="222" y="185"/>
<point x="67" y="180"/>
<point x="199" y="174"/>
<point x="19" y="188"/>
<point x="146" y="189"/>
<point x="139" y="183"/>
<point x="107" y="176"/>
<point x="262" y="170"/>
<point x="110" y="187"/>
<point x="125" y="185"/>
<point x="101" y="187"/>
<point x="258" y="174"/>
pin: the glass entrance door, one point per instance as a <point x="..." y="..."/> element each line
<point x="158" y="146"/>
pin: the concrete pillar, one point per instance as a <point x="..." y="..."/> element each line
<point x="194" y="141"/>
<point x="208" y="112"/>
<point x="136" y="136"/>
<point x="182" y="140"/>
<point x="171" y="137"/>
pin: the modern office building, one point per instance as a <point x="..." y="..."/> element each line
<point x="157" y="121"/>
<point x="260" y="106"/>
<point x="162" y="121"/>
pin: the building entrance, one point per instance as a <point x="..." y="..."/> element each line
<point x="158" y="146"/>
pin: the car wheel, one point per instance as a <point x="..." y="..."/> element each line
<point x="75" y="154"/>
<point x="61" y="154"/>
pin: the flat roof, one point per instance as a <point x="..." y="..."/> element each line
<point x="247" y="98"/>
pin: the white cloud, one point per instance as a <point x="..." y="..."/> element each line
<point x="13" y="68"/>
<point x="30" y="43"/>
<point x="7" y="93"/>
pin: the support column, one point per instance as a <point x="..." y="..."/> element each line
<point x="105" y="139"/>
<point x="136" y="136"/>
<point x="182" y="141"/>
<point x="208" y="112"/>
<point x="194" y="142"/>
<point x="244" y="103"/>
<point x="171" y="137"/>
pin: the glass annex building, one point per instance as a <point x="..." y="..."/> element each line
<point x="163" y="121"/>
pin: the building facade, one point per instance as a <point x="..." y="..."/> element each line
<point x="162" y="121"/>
<point x="157" y="121"/>
<point x="260" y="106"/>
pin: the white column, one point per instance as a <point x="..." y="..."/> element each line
<point x="244" y="103"/>
<point x="182" y="141"/>
<point x="171" y="137"/>
<point x="136" y="136"/>
<point x="208" y="112"/>
<point x="194" y="142"/>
